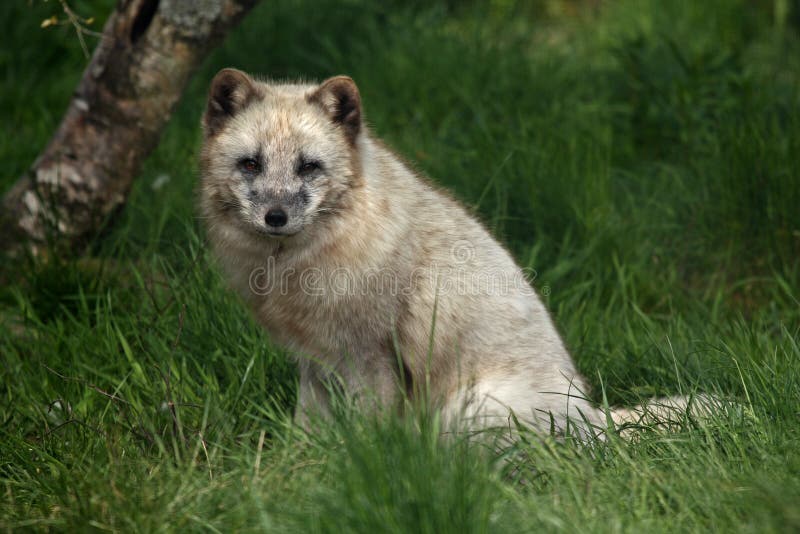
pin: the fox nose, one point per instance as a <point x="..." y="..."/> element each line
<point x="276" y="218"/>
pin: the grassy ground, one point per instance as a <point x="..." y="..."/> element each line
<point x="641" y="155"/>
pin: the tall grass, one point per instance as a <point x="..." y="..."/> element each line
<point x="641" y="156"/>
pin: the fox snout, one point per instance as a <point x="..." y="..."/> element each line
<point x="281" y="214"/>
<point x="276" y="217"/>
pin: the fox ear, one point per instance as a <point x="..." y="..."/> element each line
<point x="339" y="97"/>
<point x="231" y="91"/>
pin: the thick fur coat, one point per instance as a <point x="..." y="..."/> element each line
<point x="381" y="284"/>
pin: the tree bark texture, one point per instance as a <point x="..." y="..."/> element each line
<point x="135" y="78"/>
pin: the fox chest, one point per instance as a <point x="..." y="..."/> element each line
<point x="329" y="313"/>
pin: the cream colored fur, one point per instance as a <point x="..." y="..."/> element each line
<point x="409" y="295"/>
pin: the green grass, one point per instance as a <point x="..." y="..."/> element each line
<point x="641" y="156"/>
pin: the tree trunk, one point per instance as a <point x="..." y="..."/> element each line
<point x="148" y="51"/>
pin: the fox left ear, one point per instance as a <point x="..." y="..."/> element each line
<point x="339" y="97"/>
<point x="231" y="91"/>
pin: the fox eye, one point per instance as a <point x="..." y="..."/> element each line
<point x="308" y="167"/>
<point x="249" y="166"/>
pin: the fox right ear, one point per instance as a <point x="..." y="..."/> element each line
<point x="340" y="99"/>
<point x="231" y="91"/>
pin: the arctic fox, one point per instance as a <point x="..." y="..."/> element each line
<point x="379" y="282"/>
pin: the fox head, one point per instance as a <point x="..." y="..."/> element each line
<point x="278" y="158"/>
